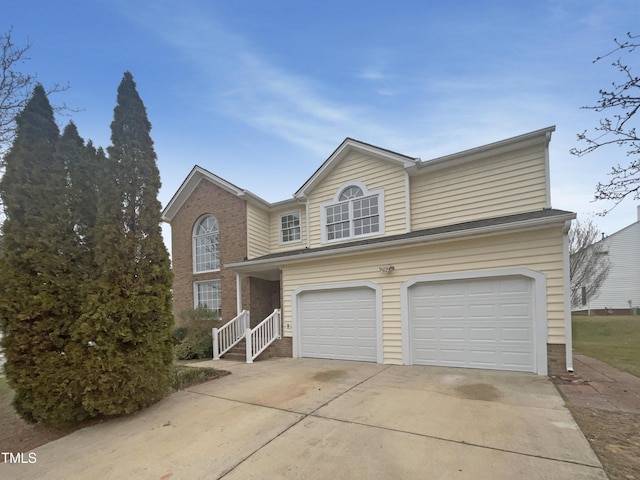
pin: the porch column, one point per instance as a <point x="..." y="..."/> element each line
<point x="238" y="294"/>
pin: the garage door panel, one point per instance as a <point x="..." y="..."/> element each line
<point x="478" y="323"/>
<point x="517" y="359"/>
<point x="482" y="310"/>
<point x="483" y="334"/>
<point x="516" y="335"/>
<point x="338" y="324"/>
<point x="451" y="333"/>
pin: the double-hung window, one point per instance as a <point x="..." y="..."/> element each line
<point x="207" y="295"/>
<point x="355" y="212"/>
<point x="290" y="227"/>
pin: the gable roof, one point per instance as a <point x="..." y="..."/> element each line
<point x="190" y="183"/>
<point x="412" y="165"/>
<point x="347" y="146"/>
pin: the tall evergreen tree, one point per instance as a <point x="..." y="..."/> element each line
<point x="38" y="299"/>
<point x="128" y="318"/>
<point x="84" y="166"/>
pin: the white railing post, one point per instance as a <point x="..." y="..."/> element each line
<point x="227" y="336"/>
<point x="216" y="349"/>
<point x="248" y="340"/>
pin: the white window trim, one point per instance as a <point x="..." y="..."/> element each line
<point x="379" y="192"/>
<point x="293" y="212"/>
<point x="195" y="292"/>
<point x="193" y="245"/>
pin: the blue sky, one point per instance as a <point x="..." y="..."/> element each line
<point x="262" y="92"/>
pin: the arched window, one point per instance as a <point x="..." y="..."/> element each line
<point x="354" y="212"/>
<point x="206" y="245"/>
<point x="350" y="192"/>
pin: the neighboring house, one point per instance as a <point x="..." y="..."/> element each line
<point x="620" y="292"/>
<point x="381" y="257"/>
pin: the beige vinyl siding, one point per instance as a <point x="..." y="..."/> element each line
<point x="374" y="173"/>
<point x="257" y="231"/>
<point x="503" y="185"/>
<point x="274" y="227"/>
<point x="539" y="250"/>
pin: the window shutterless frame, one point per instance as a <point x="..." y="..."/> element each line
<point x="355" y="212"/>
<point x="290" y="227"/>
<point x="206" y="245"/>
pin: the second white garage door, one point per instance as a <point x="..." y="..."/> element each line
<point x="476" y="323"/>
<point x="338" y="324"/>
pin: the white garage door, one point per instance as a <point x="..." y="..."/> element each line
<point x="477" y="323"/>
<point x="338" y="324"/>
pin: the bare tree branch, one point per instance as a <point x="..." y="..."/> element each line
<point x="623" y="99"/>
<point x="589" y="261"/>
<point x="16" y="87"/>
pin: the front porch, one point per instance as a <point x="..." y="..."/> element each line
<point x="257" y="328"/>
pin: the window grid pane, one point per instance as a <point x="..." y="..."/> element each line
<point x="208" y="295"/>
<point x="365" y="215"/>
<point x="207" y="253"/>
<point x="350" y="192"/>
<point x="290" y="225"/>
<point x="206" y="245"/>
<point x="337" y="221"/>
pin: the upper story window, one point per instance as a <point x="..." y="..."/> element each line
<point x="290" y="227"/>
<point x="206" y="245"/>
<point x="354" y="212"/>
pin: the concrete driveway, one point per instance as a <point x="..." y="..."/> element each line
<point x="328" y="419"/>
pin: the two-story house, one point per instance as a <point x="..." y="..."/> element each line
<point x="381" y="257"/>
<point x="619" y="294"/>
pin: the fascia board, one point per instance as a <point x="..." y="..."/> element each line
<point x="437" y="238"/>
<point x="491" y="149"/>
<point x="343" y="150"/>
<point x="194" y="178"/>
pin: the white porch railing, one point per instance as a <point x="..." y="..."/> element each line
<point x="263" y="335"/>
<point x="230" y="334"/>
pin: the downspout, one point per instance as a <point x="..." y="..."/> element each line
<point x="547" y="172"/>
<point x="568" y="333"/>
<point x="306" y="208"/>
<point x="238" y="294"/>
<point x="407" y="201"/>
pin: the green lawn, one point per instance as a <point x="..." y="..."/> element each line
<point x="612" y="339"/>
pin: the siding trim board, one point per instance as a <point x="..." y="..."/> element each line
<point x="539" y="304"/>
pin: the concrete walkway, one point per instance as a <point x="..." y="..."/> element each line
<point x="328" y="419"/>
<point x="598" y="385"/>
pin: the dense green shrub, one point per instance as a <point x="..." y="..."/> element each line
<point x="197" y="342"/>
<point x="195" y="347"/>
<point x="184" y="376"/>
<point x="179" y="333"/>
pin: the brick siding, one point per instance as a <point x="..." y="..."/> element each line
<point x="556" y="359"/>
<point x="231" y="213"/>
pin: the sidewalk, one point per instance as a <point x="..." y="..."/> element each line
<point x="598" y="385"/>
